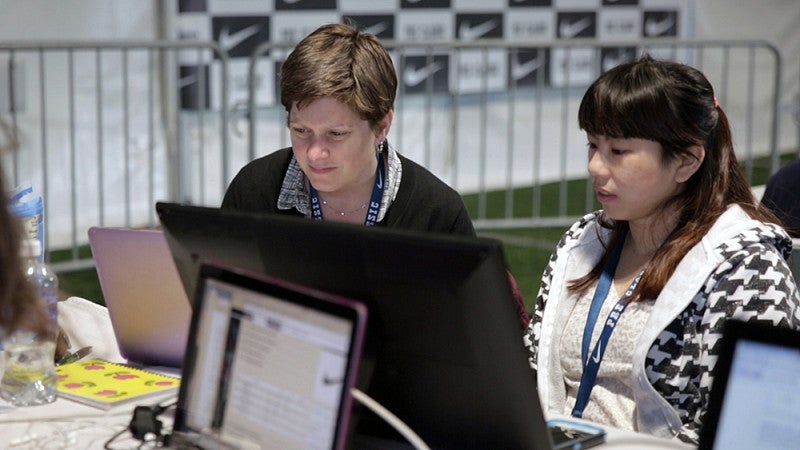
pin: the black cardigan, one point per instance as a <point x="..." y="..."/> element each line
<point x="423" y="202"/>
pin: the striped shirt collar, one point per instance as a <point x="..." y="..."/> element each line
<point x="294" y="190"/>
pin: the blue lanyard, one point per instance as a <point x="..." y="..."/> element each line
<point x="374" y="201"/>
<point x="591" y="364"/>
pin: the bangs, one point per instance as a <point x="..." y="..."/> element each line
<point x="625" y="113"/>
<point x="632" y="101"/>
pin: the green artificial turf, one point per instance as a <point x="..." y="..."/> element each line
<point x="527" y="249"/>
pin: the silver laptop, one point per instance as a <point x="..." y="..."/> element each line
<point x="271" y="365"/>
<point x="148" y="306"/>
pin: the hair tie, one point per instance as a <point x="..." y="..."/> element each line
<point x="716" y="102"/>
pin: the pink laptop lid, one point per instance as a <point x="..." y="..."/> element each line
<point x="149" y="309"/>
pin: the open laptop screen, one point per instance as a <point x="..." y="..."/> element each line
<point x="755" y="397"/>
<point x="146" y="301"/>
<point x="444" y="351"/>
<point x="269" y="364"/>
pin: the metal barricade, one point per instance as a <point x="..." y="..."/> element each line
<point x="103" y="130"/>
<point x="106" y="129"/>
<point x="497" y="120"/>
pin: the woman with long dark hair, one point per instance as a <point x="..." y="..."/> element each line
<point x="634" y="298"/>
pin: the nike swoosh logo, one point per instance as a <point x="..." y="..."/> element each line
<point x="654" y="27"/>
<point x="470" y="33"/>
<point x="521" y="70"/>
<point x="413" y="76"/>
<point x="327" y="379"/>
<point x="380" y="180"/>
<point x="376" y="29"/>
<point x="228" y="41"/>
<point x="188" y="81"/>
<point x="610" y="62"/>
<point x="570" y="30"/>
<point x="596" y="356"/>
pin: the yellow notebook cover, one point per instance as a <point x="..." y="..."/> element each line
<point x="104" y="384"/>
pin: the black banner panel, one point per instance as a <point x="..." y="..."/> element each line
<point x="239" y="26"/>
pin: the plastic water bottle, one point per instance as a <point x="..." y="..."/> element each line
<point x="43" y="278"/>
<point x="30" y="209"/>
<point x="29" y="377"/>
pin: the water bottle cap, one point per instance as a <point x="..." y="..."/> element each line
<point x="31" y="248"/>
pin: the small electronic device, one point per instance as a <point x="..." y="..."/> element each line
<point x="574" y="435"/>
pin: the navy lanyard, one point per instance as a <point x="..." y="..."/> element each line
<point x="591" y="363"/>
<point x="374" y="201"/>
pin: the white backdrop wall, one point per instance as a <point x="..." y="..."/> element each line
<point x="776" y="21"/>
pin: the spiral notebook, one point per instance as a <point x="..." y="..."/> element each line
<point x="105" y="384"/>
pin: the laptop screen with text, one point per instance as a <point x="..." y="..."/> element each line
<point x="270" y="364"/>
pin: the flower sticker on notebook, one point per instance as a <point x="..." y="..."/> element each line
<point x="122" y="375"/>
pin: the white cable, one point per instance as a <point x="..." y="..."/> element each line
<point x="390" y="418"/>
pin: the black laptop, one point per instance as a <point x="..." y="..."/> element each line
<point x="444" y="350"/>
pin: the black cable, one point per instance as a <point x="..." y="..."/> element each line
<point x="143" y="423"/>
<point x="107" y="445"/>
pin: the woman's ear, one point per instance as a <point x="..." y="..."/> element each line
<point x="385" y="125"/>
<point x="690" y="162"/>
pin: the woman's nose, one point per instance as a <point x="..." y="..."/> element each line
<point x="317" y="149"/>
<point x="596" y="165"/>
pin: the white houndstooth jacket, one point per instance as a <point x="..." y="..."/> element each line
<point x="738" y="271"/>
